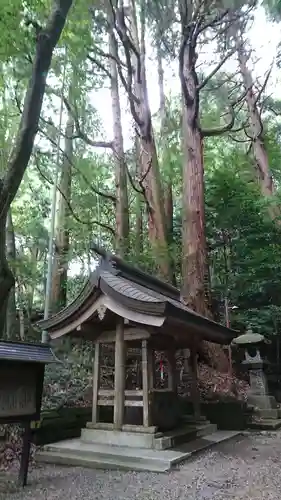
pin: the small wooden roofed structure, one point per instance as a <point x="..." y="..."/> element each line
<point x="116" y="289"/>
<point x="123" y="305"/>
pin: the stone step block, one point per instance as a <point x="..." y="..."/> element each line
<point x="182" y="435"/>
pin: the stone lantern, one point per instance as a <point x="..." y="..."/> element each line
<point x="258" y="395"/>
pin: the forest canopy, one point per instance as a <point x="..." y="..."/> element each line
<point x="152" y="128"/>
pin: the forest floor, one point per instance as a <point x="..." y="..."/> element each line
<point x="246" y="469"/>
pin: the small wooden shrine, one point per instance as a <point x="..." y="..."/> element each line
<point x="124" y="306"/>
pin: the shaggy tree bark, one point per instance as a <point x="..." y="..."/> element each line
<point x="169" y="210"/>
<point x="255" y="129"/>
<point x="60" y="263"/>
<point x="136" y="87"/>
<point x="21" y="152"/>
<point x="139" y="236"/>
<point x="162" y="100"/>
<point x="122" y="211"/>
<point x="168" y="183"/>
<point x="195" y="274"/>
<point x="195" y="269"/>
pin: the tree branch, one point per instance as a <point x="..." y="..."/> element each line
<point x="221" y="83"/>
<point x="239" y="129"/>
<point x="257" y="98"/>
<point x="213" y="132"/>
<point x="128" y="46"/>
<point x="107" y="196"/>
<point x="258" y="134"/>
<point x="228" y="126"/>
<point x="109" y="56"/>
<point x="22" y="150"/>
<point x="80" y="133"/>
<point x="99" y="65"/>
<point x="216" y="21"/>
<point x="240" y="141"/>
<point x="139" y="191"/>
<point x="74" y="215"/>
<point x="215" y="70"/>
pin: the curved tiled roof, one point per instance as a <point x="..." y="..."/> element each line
<point x="140" y="293"/>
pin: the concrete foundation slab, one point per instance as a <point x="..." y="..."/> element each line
<point x="76" y="452"/>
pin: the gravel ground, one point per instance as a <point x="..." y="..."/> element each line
<point x="247" y="469"/>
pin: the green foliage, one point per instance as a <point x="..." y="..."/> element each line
<point x="273" y="8"/>
<point x="247" y="268"/>
<point x="66" y="382"/>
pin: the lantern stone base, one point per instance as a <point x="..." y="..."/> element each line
<point x="268" y="413"/>
<point x="265" y="424"/>
<point x="262" y="402"/>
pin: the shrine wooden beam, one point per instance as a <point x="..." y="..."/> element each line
<point x="120" y="376"/>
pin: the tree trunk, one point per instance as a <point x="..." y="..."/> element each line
<point x="195" y="270"/>
<point x="162" y="107"/>
<point x="150" y="180"/>
<point x="21" y="324"/>
<point x="168" y="186"/>
<point x="46" y="41"/>
<point x="11" y="320"/>
<point x="122" y="211"/>
<point x="139" y="208"/>
<point x="21" y="294"/>
<point x="150" y="165"/>
<point x="60" y="265"/>
<point x="255" y="130"/>
<point x="195" y="289"/>
<point x="30" y="289"/>
<point x="169" y="210"/>
<point x="7" y="281"/>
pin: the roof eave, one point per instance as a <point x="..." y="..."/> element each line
<point x="211" y="331"/>
<point x="66" y="314"/>
<point x="24" y="352"/>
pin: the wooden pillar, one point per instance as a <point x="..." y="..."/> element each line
<point x="25" y="455"/>
<point x="153" y="367"/>
<point x="96" y="379"/>
<point x="147" y="381"/>
<point x="120" y="375"/>
<point x="194" y="382"/>
<point x="172" y="372"/>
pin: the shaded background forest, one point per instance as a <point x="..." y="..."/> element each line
<point x="160" y="130"/>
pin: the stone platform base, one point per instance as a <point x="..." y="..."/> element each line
<point x="265" y="424"/>
<point x="147" y="438"/>
<point x="104" y="456"/>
